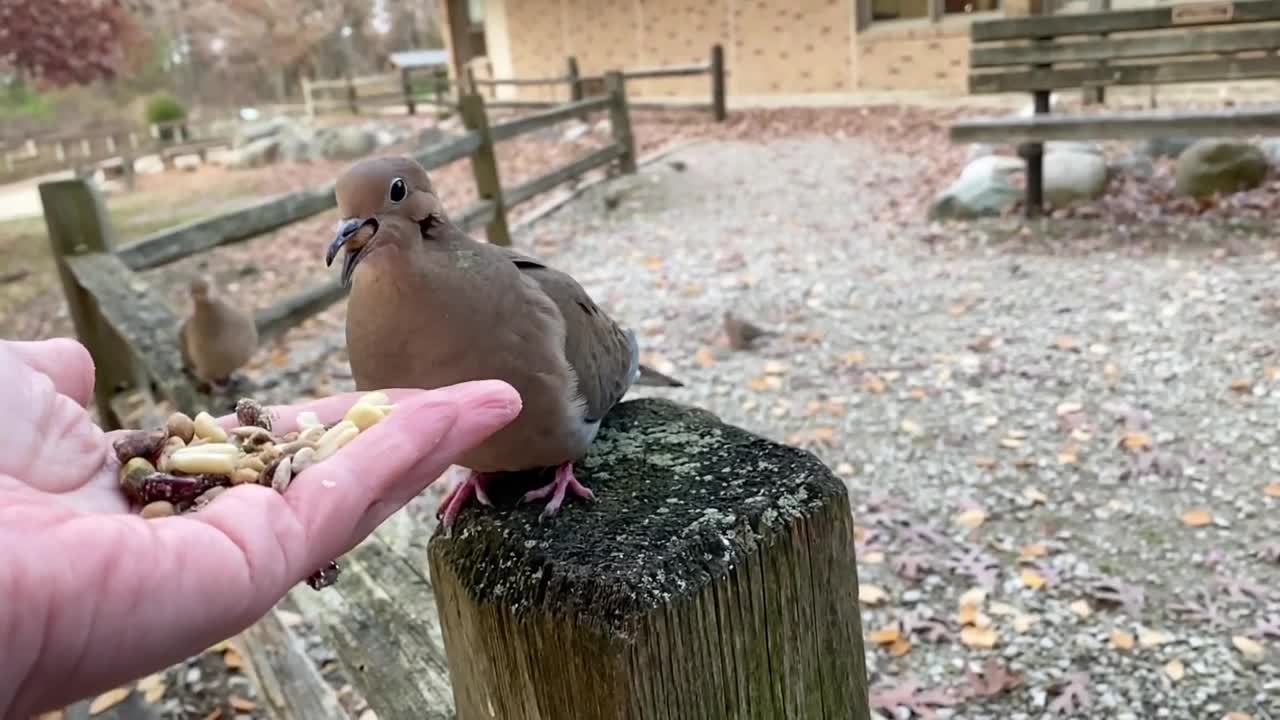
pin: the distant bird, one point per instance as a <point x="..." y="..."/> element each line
<point x="217" y="338"/>
<point x="741" y="333"/>
<point x="430" y="307"/>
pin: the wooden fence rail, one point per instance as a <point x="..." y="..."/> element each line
<point x="130" y="329"/>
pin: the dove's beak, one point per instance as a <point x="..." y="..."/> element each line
<point x="354" y="235"/>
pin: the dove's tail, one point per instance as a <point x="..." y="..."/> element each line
<point x="651" y="377"/>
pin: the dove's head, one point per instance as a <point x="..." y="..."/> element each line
<point x="199" y="289"/>
<point x="381" y="201"/>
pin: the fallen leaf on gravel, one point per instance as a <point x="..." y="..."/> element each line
<point x="1241" y="385"/>
<point x="844" y="468"/>
<point x="704" y="358"/>
<point x="1115" y="592"/>
<point x="911" y="427"/>
<point x="971" y="519"/>
<point x="1065" y="343"/>
<point x="1152" y="638"/>
<point x="910" y="697"/>
<point x="242" y="704"/>
<point x="773" y="367"/>
<point x="984" y="462"/>
<point x="217" y="713"/>
<point x="1081" y="608"/>
<point x="1000" y="608"/>
<point x="1196" y="518"/>
<point x="1034" y="496"/>
<point x="910" y="565"/>
<point x="1136" y="441"/>
<point x="977" y="637"/>
<point x="967" y="615"/>
<point x="1023" y="623"/>
<point x="1032" y="579"/>
<point x="899" y="647"/>
<point x="1237" y="716"/>
<point x="1069" y="455"/>
<point x="1072" y="696"/>
<point x="1068" y="408"/>
<point x="871" y="595"/>
<point x="973" y="598"/>
<point x="108" y="700"/>
<point x="219" y="647"/>
<point x="1175" y="670"/>
<point x="886" y="635"/>
<point x="1011" y="443"/>
<point x="994" y="679"/>
<point x="1032" y="551"/>
<point x="764" y="382"/>
<point x="1121" y="640"/>
<point x="152" y="688"/>
<point x="1251" y="649"/>
<point x="1272" y="490"/>
<point x="232" y="659"/>
<point x="872" y="558"/>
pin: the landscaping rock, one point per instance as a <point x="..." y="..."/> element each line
<point x="1134" y="165"/>
<point x="247" y="134"/>
<point x="983" y="189"/>
<point x="347" y="143"/>
<point x="1166" y="147"/>
<point x="1058" y="146"/>
<point x="1271" y="148"/>
<point x="1070" y="176"/>
<point x="1220" y="166"/>
<point x="262" y="151"/>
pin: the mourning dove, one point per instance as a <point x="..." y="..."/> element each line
<point x="431" y="307"/>
<point x="742" y="333"/>
<point x="217" y="338"/>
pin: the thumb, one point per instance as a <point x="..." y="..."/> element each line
<point x="65" y="361"/>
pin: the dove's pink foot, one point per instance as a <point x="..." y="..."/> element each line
<point x="472" y="485"/>
<point x="565" y="481"/>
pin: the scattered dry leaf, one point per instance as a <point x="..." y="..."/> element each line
<point x="1032" y="551"/>
<point x="999" y="608"/>
<point x="1065" y="343"/>
<point x="1175" y="670"/>
<point x="871" y="595"/>
<point x="152" y="688"/>
<point x="232" y="659"/>
<point x="971" y="519"/>
<point x="1237" y="715"/>
<point x="1241" y="385"/>
<point x="1081" y="608"/>
<point x="911" y="427"/>
<point x="1069" y="456"/>
<point x="1152" y="638"/>
<point x="1272" y="490"/>
<point x="1034" y="496"/>
<point x="973" y="598"/>
<point x="704" y="358"/>
<point x="764" y="382"/>
<point x="977" y="637"/>
<point x="1136" y="441"/>
<point x="1251" y="649"/>
<point x="1011" y="442"/>
<point x="1196" y="518"/>
<point x="886" y="635"/>
<point x="108" y="700"/>
<point x="774" y="367"/>
<point x="874" y="557"/>
<point x="967" y="615"/>
<point x="899" y="647"/>
<point x="1023" y="623"/>
<point x="984" y="462"/>
<point x="1121" y="640"/>
<point x="1032" y="579"/>
<point x="242" y="704"/>
<point x="844" y="468"/>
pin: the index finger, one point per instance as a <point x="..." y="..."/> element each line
<point x="329" y="410"/>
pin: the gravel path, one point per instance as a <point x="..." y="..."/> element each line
<point x="1032" y="425"/>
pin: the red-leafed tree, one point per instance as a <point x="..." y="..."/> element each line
<point x="64" y="42"/>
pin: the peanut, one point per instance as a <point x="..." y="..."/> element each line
<point x="363" y="416"/>
<point x="194" y="462"/>
<point x="157" y="509"/>
<point x="179" y="425"/>
<point x="251" y="462"/>
<point x="206" y="427"/>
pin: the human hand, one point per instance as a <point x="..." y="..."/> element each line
<point x="92" y="596"/>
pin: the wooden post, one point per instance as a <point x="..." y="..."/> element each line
<point x="307" y="100"/>
<point x="352" y="99"/>
<point x="1033" y="154"/>
<point x="700" y="588"/>
<point x="1096" y="95"/>
<point x="407" y="83"/>
<point x="77" y="224"/>
<point x="718" y="109"/>
<point x="620" y="119"/>
<point x="575" y="80"/>
<point x="484" y="165"/>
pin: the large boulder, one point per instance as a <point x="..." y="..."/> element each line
<point x="1075" y="146"/>
<point x="251" y="132"/>
<point x="1220" y="166"/>
<point x="1166" y="147"/>
<point x="983" y="189"/>
<point x="1070" y="175"/>
<point x="348" y="143"/>
<point x="257" y="153"/>
<point x="1135" y="165"/>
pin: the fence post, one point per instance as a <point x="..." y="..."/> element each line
<point x="575" y="83"/>
<point x="306" y="98"/>
<point x="484" y="165"/>
<point x="408" y="91"/>
<point x="77" y="224"/>
<point x="620" y="119"/>
<point x="351" y="96"/>
<point x="718" y="109"/>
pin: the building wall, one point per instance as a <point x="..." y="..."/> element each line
<point x="772" y="47"/>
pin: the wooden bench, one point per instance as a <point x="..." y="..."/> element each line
<point x="1210" y="41"/>
<point x="199" y="148"/>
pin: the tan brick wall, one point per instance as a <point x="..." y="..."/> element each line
<point x="791" y="47"/>
<point x="919" y="57"/>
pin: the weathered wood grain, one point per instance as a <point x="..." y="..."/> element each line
<point x="1110" y="21"/>
<point x="1154" y="73"/>
<point x="712" y="577"/>
<point x="1176" y="42"/>
<point x="289" y="684"/>
<point x="528" y="190"/>
<point x="1235" y="122"/>
<point x="559" y="113"/>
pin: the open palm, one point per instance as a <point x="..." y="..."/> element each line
<point x="95" y="595"/>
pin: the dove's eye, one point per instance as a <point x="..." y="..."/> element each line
<point x="398" y="190"/>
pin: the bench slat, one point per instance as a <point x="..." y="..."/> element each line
<point x="1160" y="73"/>
<point x="1111" y="21"/>
<point x="1121" y="48"/>
<point x="1117" y="126"/>
<point x="142" y="317"/>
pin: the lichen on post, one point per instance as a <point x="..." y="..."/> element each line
<point x="712" y="577"/>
